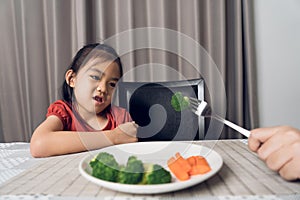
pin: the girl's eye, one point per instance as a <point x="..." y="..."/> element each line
<point x="112" y="84"/>
<point x="97" y="78"/>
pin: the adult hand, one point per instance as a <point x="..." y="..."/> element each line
<point x="279" y="147"/>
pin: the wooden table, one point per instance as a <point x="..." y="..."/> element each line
<point x="242" y="175"/>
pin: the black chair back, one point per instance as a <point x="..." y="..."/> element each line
<point x="149" y="104"/>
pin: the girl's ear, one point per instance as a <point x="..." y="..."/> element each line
<point x="70" y="77"/>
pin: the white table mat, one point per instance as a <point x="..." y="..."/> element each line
<point x="243" y="176"/>
<point x="14" y="159"/>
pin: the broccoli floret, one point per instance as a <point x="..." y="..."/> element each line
<point x="155" y="174"/>
<point x="132" y="173"/>
<point x="105" y="167"/>
<point x="180" y="102"/>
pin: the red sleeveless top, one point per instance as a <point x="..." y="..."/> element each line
<point x="72" y="121"/>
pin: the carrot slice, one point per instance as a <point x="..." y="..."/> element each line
<point x="191" y="160"/>
<point x="184" y="168"/>
<point x="195" y="170"/>
<point x="176" y="169"/>
<point x="200" y="160"/>
<point x="203" y="165"/>
<point x="185" y="165"/>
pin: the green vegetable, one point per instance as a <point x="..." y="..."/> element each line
<point x="132" y="173"/>
<point x="105" y="167"/>
<point x="155" y="174"/>
<point x="180" y="102"/>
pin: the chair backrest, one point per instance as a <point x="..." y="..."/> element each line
<point x="149" y="104"/>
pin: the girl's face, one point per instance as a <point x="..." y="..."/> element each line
<point x="93" y="86"/>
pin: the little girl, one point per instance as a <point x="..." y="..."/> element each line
<point x="85" y="119"/>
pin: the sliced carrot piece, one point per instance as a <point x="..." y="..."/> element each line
<point x="191" y="160"/>
<point x="200" y="160"/>
<point x="195" y="170"/>
<point x="176" y="169"/>
<point x="184" y="168"/>
<point x="183" y="162"/>
<point x="203" y="165"/>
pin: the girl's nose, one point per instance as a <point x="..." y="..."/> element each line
<point x="101" y="87"/>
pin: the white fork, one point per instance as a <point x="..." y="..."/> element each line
<point x="201" y="108"/>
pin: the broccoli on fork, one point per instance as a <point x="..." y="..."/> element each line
<point x="180" y="102"/>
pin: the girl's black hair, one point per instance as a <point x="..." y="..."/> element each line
<point x="103" y="51"/>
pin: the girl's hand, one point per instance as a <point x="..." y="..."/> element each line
<point x="279" y="147"/>
<point x="124" y="133"/>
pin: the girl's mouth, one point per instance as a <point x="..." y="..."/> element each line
<point x="98" y="99"/>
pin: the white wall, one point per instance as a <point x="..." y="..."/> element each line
<point x="277" y="25"/>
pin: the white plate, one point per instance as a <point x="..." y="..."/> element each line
<point x="156" y="153"/>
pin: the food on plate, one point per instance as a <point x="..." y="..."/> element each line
<point x="132" y="173"/>
<point x="177" y="170"/>
<point x="199" y="165"/>
<point x="155" y="174"/>
<point x="183" y="168"/>
<point x="105" y="167"/>
<point x="180" y="102"/>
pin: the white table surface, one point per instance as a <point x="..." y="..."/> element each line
<point x="242" y="176"/>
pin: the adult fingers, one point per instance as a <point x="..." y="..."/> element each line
<point x="276" y="160"/>
<point x="290" y="171"/>
<point x="259" y="136"/>
<point x="284" y="137"/>
<point x="286" y="161"/>
<point x="277" y="142"/>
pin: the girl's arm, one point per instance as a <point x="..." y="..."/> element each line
<point x="49" y="139"/>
